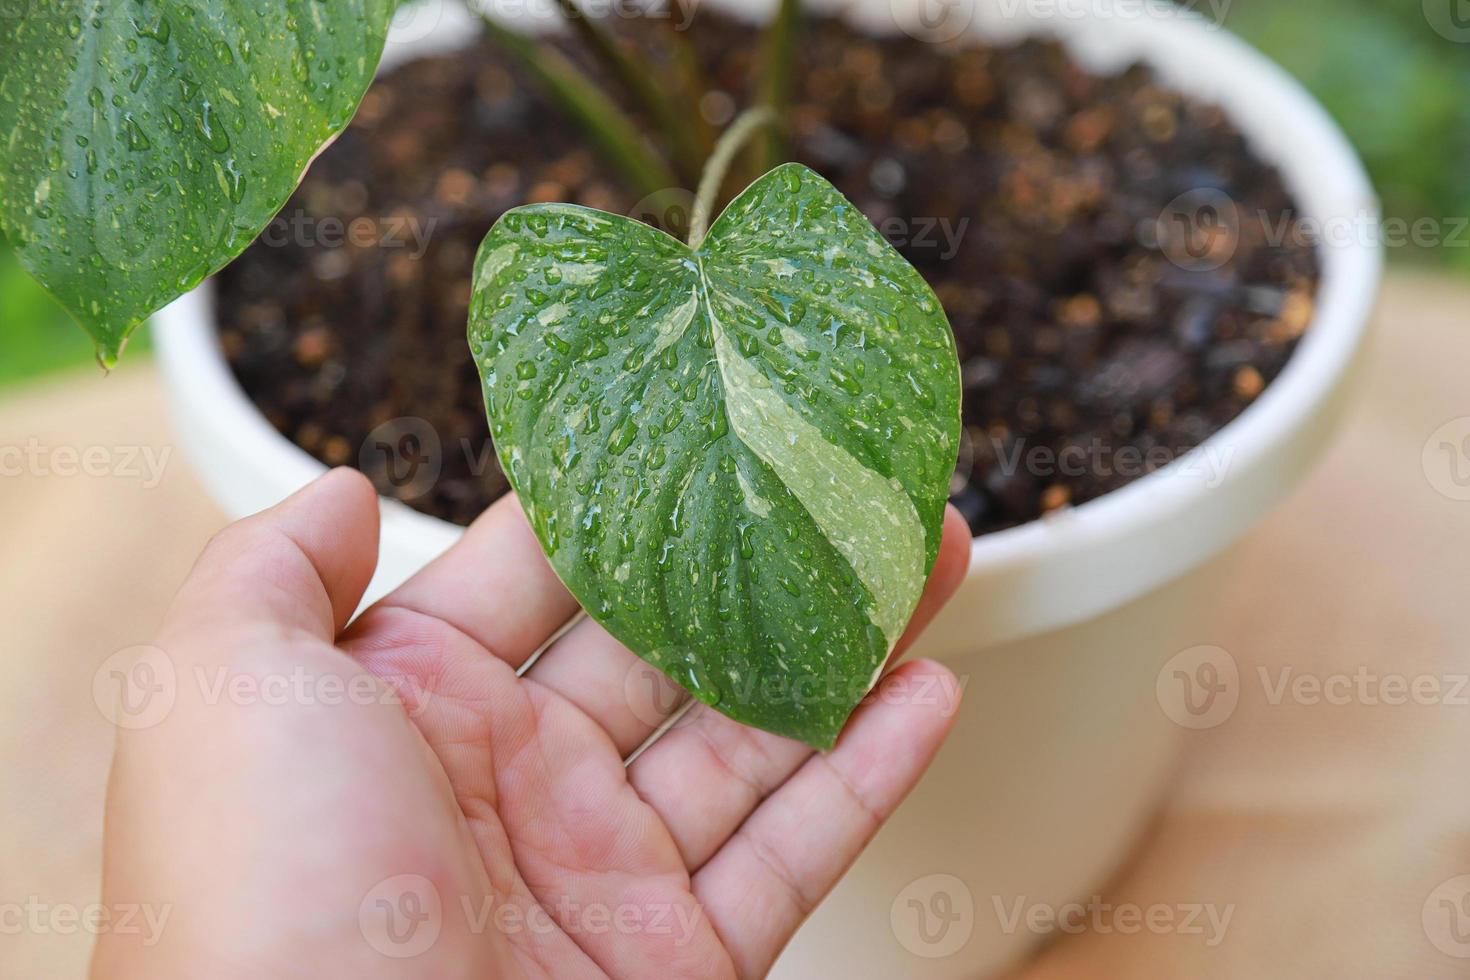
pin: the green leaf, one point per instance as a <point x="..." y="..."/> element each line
<point x="735" y="457"/>
<point x="147" y="142"/>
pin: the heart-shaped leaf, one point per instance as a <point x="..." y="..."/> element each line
<point x="736" y="457"/>
<point x="149" y="141"/>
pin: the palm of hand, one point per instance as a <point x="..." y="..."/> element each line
<point x="442" y="814"/>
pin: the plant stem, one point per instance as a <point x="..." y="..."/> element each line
<point x="617" y="137"/>
<point x="640" y="83"/>
<point x="689" y="79"/>
<point x="777" y="61"/>
<point x="729" y="144"/>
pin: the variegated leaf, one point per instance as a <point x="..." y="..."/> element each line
<point x="147" y="142"/>
<point x="736" y="457"/>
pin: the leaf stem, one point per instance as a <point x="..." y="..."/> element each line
<point x="639" y="81"/>
<point x="690" y="81"/>
<point x="619" y="139"/>
<point x="778" y="57"/>
<point x="734" y="138"/>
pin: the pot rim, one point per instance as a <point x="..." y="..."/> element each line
<point x="1283" y="124"/>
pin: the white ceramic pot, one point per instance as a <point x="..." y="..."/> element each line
<point x="1062" y="625"/>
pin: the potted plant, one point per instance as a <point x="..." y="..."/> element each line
<point x="1064" y="622"/>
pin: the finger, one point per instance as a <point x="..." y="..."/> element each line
<point x="544" y="797"/>
<point x="303" y="563"/>
<point x="494" y="585"/>
<point x="625" y="696"/>
<point x="950" y="568"/>
<point x="785" y="858"/>
<point x="707" y="774"/>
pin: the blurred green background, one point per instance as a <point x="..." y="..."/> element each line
<point x="35" y="335"/>
<point x="1400" y="89"/>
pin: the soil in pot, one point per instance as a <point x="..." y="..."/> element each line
<point x="1119" y="268"/>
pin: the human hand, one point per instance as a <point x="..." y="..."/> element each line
<point x="451" y="818"/>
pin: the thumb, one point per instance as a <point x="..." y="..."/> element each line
<point x="304" y="564"/>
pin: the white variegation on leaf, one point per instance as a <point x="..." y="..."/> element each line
<point x="147" y="142"/>
<point x="736" y="456"/>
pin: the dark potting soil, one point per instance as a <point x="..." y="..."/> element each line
<point x="1103" y="247"/>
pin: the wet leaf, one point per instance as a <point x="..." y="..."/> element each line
<point x="736" y="457"/>
<point x="147" y="142"/>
